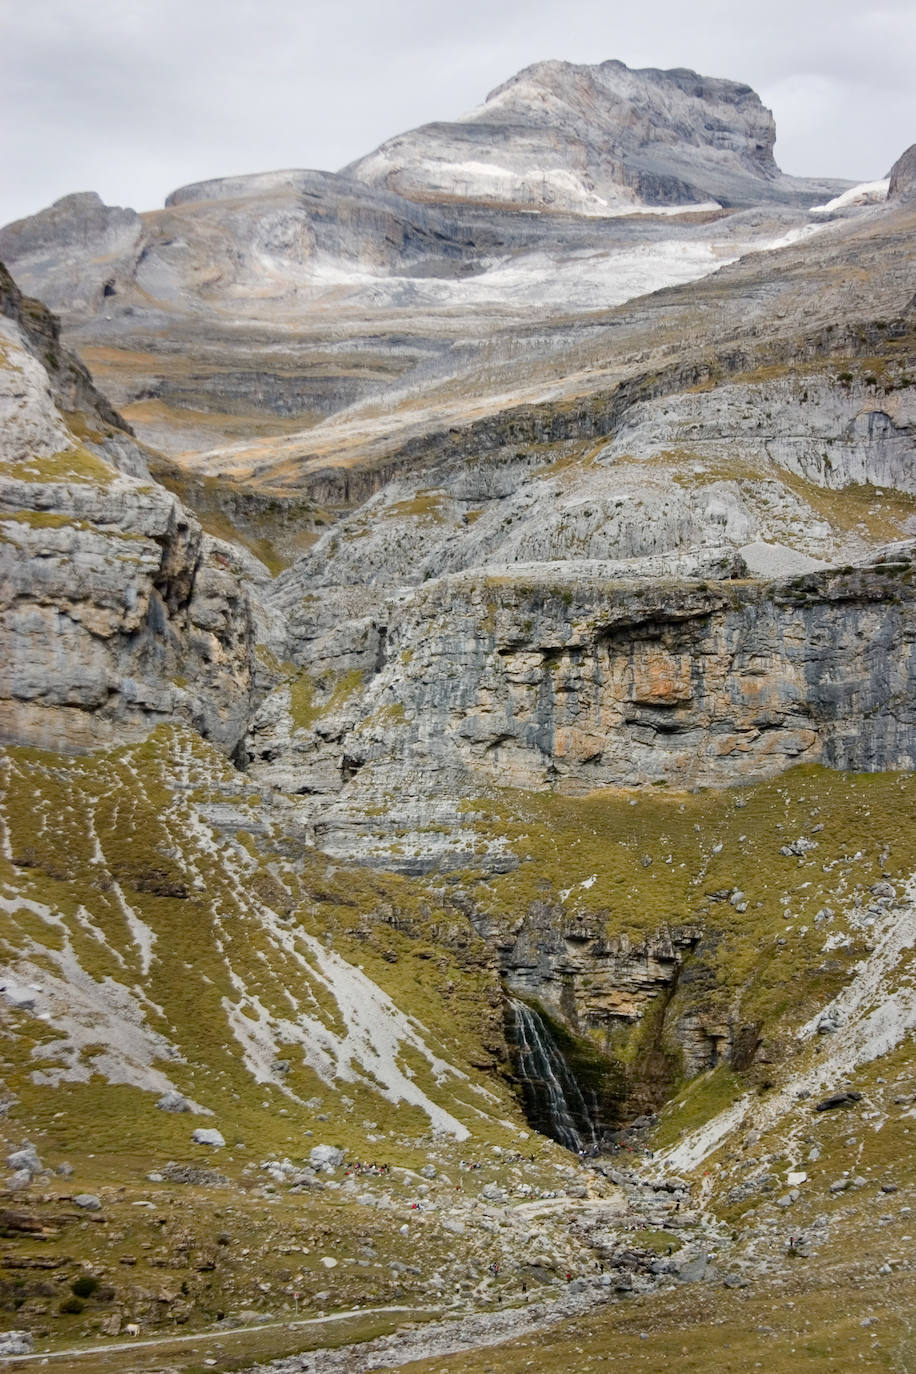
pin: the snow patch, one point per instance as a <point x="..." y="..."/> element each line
<point x="866" y="193"/>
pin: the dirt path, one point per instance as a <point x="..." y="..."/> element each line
<point x="117" y="1347"/>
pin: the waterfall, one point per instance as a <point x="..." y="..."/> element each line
<point x="552" y="1094"/>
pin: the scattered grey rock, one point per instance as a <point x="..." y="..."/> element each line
<point x="17" y="996"/>
<point x="64" y="1170"/>
<point x="326" y="1157"/>
<point x="16" y="1343"/>
<point x="889" y="1187"/>
<point x="798" y="848"/>
<point x="830" y="1022"/>
<point x="428" y="1171"/>
<point x="207" y="1135"/>
<point x="693" y="1270"/>
<point x="25" y="1158"/>
<point x="20" y="1180"/>
<point x="88" y="1201"/>
<point x="173" y="1102"/>
<point x="194" y="1175"/>
<point x="840" y="1185"/>
<point x="839" y="1099"/>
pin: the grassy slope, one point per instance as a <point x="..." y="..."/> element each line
<point x="703" y="846"/>
<point x="85" y="841"/>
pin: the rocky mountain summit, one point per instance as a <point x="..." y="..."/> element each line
<point x="597" y="140"/>
<point x="488" y="732"/>
<point x="286" y="297"/>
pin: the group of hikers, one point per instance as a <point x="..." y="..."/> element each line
<point x="357" y="1167"/>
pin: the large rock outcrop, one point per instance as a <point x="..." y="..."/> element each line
<point x="116" y="612"/>
<point x="902" y="184"/>
<point x="561" y="676"/>
<point x="79" y="249"/>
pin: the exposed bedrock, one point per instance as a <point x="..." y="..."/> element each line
<point x="116" y="611"/>
<point x="642" y="1006"/>
<point x="105" y="240"/>
<point x="902" y="183"/>
<point x="557" y="675"/>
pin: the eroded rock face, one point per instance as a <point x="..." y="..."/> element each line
<point x="117" y="612"/>
<point x="903" y="176"/>
<point x="603" y="987"/>
<point x="103" y="240"/>
<point x="561" y="676"/>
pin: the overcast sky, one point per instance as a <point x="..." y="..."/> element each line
<point x="132" y="98"/>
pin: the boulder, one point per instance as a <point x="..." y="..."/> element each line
<point x="173" y="1102"/>
<point x="208" y="1136"/>
<point x="843" y="1098"/>
<point x="25" y="1158"/>
<point x="16" y="1343"/>
<point x="326" y="1157"/>
<point x="18" y="997"/>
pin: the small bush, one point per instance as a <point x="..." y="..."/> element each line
<point x="72" y="1304"/>
<point x="84" y="1286"/>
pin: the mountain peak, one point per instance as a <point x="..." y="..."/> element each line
<point x="597" y="139"/>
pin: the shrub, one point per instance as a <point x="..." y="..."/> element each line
<point x="84" y="1286"/>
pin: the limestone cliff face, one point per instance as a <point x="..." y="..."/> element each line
<point x="71" y="386"/>
<point x="116" y="611"/>
<point x="560" y="676"/>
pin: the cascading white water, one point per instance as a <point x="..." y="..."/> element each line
<point x="550" y="1088"/>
